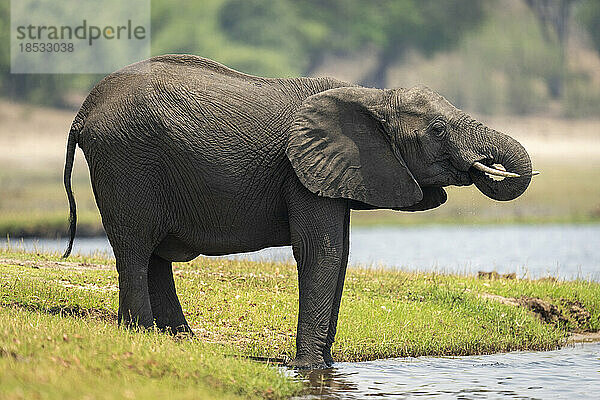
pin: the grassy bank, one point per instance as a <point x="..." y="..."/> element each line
<point x="59" y="341"/>
<point x="43" y="355"/>
<point x="61" y="315"/>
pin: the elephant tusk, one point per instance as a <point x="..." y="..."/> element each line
<point x="494" y="171"/>
<point x="533" y="173"/>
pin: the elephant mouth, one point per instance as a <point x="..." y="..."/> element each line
<point x="501" y="182"/>
<point x="462" y="178"/>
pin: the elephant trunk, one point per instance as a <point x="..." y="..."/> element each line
<point x="502" y="153"/>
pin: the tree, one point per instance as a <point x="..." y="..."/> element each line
<point x="425" y="25"/>
<point x="277" y="37"/>
<point x="554" y="16"/>
<point x="309" y="30"/>
<point x="589" y="15"/>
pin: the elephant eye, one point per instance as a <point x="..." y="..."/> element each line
<point x="438" y="127"/>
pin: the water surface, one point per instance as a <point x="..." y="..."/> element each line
<point x="570" y="373"/>
<point x="566" y="251"/>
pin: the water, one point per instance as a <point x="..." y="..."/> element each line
<point x="570" y="373"/>
<point x="565" y="251"/>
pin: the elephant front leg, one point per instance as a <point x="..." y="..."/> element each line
<point x="335" y="309"/>
<point x="316" y="301"/>
<point x="321" y="253"/>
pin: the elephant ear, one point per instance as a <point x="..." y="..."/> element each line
<point x="338" y="148"/>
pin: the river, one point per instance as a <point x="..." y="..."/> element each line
<point x="564" y="251"/>
<point x="569" y="373"/>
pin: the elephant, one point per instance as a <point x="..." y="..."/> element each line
<point x="187" y="157"/>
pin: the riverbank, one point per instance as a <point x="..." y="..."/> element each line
<point x="62" y="316"/>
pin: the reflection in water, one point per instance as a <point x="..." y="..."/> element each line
<point x="572" y="372"/>
<point x="327" y="383"/>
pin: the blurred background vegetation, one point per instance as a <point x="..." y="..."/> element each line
<point x="530" y="68"/>
<point x="520" y="56"/>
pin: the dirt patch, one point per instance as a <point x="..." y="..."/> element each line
<point x="10" y="354"/>
<point x="586" y="337"/>
<point x="68" y="311"/>
<point x="511" y="301"/>
<point x="55" y="264"/>
<point x="578" y="312"/>
<point x="496" y="275"/>
<point x="89" y="286"/>
<point x="574" y="311"/>
<point x="547" y="312"/>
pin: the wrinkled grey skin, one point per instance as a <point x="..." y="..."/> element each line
<point x="188" y="157"/>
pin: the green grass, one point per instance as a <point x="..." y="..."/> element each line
<point x="60" y="343"/>
<point x="253" y="306"/>
<point x="56" y="357"/>
<point x="59" y="337"/>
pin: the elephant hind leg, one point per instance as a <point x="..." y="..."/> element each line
<point x="166" y="309"/>
<point x="133" y="246"/>
<point x="134" y="301"/>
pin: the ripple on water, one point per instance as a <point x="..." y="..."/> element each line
<point x="572" y="372"/>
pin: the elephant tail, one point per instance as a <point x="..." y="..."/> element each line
<point x="71" y="146"/>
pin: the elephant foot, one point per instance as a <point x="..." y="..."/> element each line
<point x="180" y="331"/>
<point x="135" y="325"/>
<point x="141" y="321"/>
<point x="308" y="363"/>
<point x="328" y="358"/>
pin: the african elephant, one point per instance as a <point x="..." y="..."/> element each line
<point x="189" y="157"/>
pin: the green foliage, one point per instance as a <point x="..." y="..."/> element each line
<point x="589" y="14"/>
<point x="39" y="89"/>
<point x="514" y="53"/>
<point x="307" y="30"/>
<point x="201" y="34"/>
<point x="505" y="64"/>
<point x="273" y="38"/>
